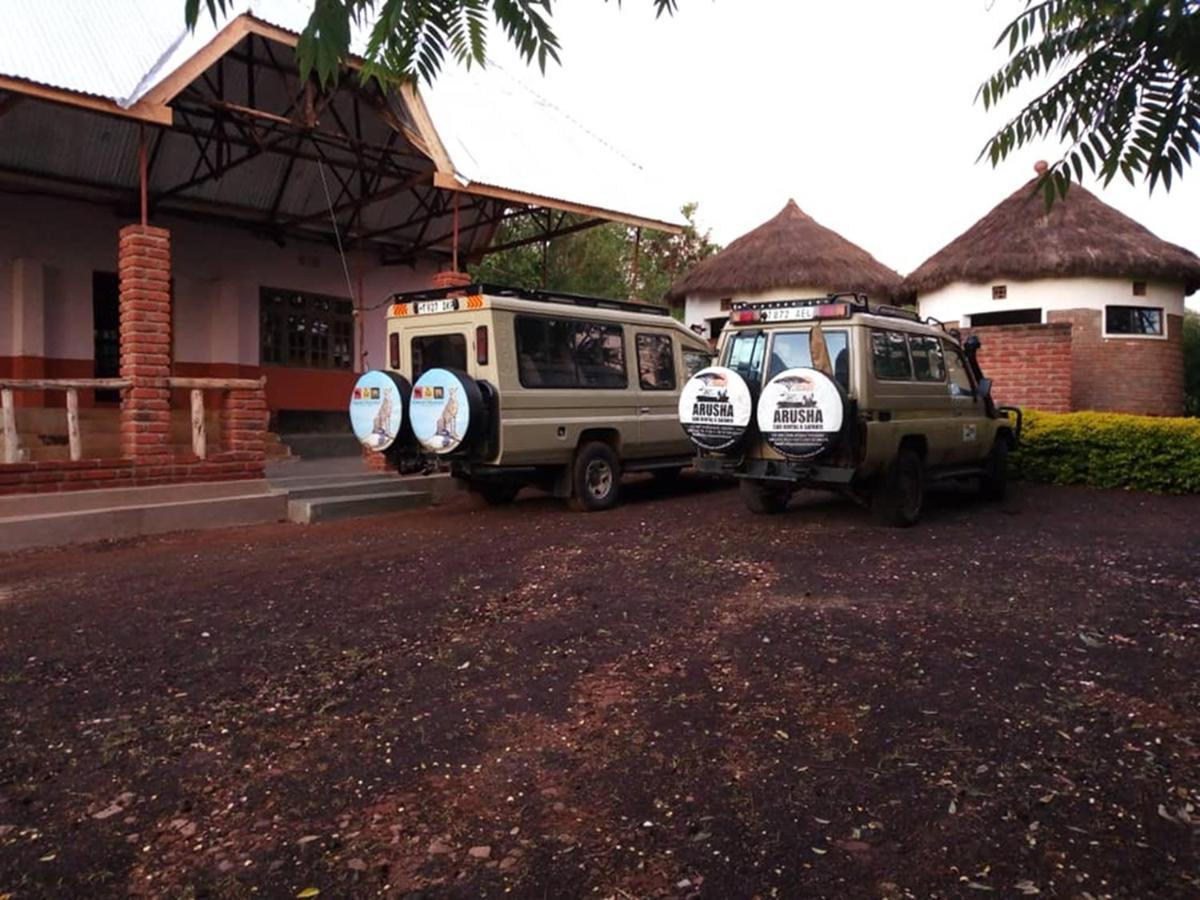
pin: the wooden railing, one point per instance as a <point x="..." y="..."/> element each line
<point x="72" y="387"/>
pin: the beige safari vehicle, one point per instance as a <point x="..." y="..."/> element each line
<point x="837" y="394"/>
<point x="513" y="388"/>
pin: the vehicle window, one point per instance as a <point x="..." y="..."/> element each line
<point x="927" y="362"/>
<point x="438" y="351"/>
<point x="960" y="377"/>
<point x="790" y="349"/>
<point x="744" y="354"/>
<point x="656" y="362"/>
<point x="694" y="361"/>
<point x="889" y="351"/>
<point x="567" y="353"/>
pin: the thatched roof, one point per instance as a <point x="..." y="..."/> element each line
<point x="790" y="250"/>
<point x="1080" y="236"/>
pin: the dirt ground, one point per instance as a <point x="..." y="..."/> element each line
<point x="673" y="699"/>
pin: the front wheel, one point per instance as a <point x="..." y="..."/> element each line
<point x="595" y="478"/>
<point x="901" y="493"/>
<point x="993" y="484"/>
<point x="763" y="499"/>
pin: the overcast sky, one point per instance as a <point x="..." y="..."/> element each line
<point x="861" y="110"/>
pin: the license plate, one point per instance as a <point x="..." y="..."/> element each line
<point x="422" y="307"/>
<point x="789" y="314"/>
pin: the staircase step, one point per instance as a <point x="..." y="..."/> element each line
<point x="303" y="481"/>
<point x="329" y="508"/>
<point x="356" y="487"/>
<point x="81" y="526"/>
<point x="16" y="505"/>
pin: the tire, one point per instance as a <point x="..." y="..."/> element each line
<point x="901" y="493"/>
<point x="497" y="493"/>
<point x="763" y="499"/>
<point x="595" y="478"/>
<point x="993" y="484"/>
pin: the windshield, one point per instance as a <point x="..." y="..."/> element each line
<point x="791" y="349"/>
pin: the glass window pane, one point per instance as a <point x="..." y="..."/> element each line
<point x="438" y="351"/>
<point x="1133" y="320"/>
<point x="791" y="349"/>
<point x="656" y="362"/>
<point x="960" y="377"/>
<point x="889" y="351"/>
<point x="600" y="355"/>
<point x="927" y="361"/>
<point x="744" y="354"/>
<point x="694" y="361"/>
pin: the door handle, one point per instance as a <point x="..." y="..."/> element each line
<point x="643" y="410"/>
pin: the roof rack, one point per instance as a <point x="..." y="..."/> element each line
<point x="540" y="296"/>
<point x="858" y="303"/>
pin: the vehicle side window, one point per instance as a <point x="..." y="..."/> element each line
<point x="889" y="350"/>
<point x="960" y="377"/>
<point x="926" y="352"/>
<point x="566" y="353"/>
<point x="656" y="362"/>
<point x="694" y="361"/>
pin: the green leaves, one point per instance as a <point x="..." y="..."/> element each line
<point x="1126" y="97"/>
<point x="411" y="39"/>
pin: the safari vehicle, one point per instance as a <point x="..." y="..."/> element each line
<point x="834" y="393"/>
<point x="513" y="388"/>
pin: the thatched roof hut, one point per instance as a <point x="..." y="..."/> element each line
<point x="790" y="250"/>
<point x="1081" y="236"/>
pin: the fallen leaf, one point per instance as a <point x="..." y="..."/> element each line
<point x="309" y="892"/>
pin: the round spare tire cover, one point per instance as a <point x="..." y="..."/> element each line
<point x="715" y="408"/>
<point x="377" y="409"/>
<point x="446" y="410"/>
<point x="801" y="412"/>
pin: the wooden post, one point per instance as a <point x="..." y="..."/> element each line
<point x="12" y="453"/>
<point x="73" y="425"/>
<point x="199" y="438"/>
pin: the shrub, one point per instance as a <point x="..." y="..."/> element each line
<point x="1111" y="450"/>
<point x="1191" y="362"/>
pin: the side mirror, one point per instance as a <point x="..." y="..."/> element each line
<point x="985" y="387"/>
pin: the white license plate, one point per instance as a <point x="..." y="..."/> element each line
<point x="788" y="314"/>
<point x="422" y="307"/>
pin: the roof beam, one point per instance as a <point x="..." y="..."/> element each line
<point x="141" y="112"/>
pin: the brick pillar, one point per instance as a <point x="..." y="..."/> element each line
<point x="375" y="461"/>
<point x="144" y="268"/>
<point x="451" y="279"/>
<point x="244" y="419"/>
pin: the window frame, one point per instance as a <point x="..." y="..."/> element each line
<point x="579" y="385"/>
<point x="892" y="379"/>
<point x="1121" y="335"/>
<point x="340" y="313"/>
<point x="655" y="336"/>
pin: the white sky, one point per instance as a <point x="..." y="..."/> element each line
<point x="861" y="110"/>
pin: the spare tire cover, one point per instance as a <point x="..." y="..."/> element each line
<point x="377" y="409"/>
<point x="801" y="413"/>
<point x="715" y="408"/>
<point x="446" y="410"/>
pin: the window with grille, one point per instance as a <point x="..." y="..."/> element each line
<point x="1139" y="289"/>
<point x="297" y="328"/>
<point x="1000" y="292"/>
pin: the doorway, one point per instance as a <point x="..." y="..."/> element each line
<point x="106" y="332"/>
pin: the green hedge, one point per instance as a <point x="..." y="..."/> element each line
<point x="1110" y="450"/>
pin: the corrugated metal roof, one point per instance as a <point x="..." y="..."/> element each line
<point x="496" y="130"/>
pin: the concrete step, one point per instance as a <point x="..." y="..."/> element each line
<point x="303" y="481"/>
<point x="356" y="487"/>
<point x="81" y="526"/>
<point x="112" y="498"/>
<point x="327" y="508"/>
<point x="322" y="446"/>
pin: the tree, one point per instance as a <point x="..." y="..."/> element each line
<point x="1191" y="362"/>
<point x="410" y="38"/>
<point x="610" y="260"/>
<point x="1127" y="92"/>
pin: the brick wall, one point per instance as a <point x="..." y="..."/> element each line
<point x="87" y="474"/>
<point x="1131" y="375"/>
<point x="1030" y="365"/>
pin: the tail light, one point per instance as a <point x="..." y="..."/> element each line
<point x="481" y="345"/>
<point x="743" y="316"/>
<point x="394" y="350"/>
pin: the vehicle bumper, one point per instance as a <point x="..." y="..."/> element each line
<point x="776" y="470"/>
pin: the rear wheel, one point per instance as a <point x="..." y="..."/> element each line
<point x="993" y="484"/>
<point x="497" y="493"/>
<point x="764" y="499"/>
<point x="901" y="493"/>
<point x="595" y="478"/>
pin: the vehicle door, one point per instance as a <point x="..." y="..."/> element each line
<point x="968" y="411"/>
<point x="656" y="356"/>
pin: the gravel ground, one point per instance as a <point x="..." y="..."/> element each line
<point x="672" y="699"/>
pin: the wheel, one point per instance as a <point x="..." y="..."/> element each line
<point x="595" y="477"/>
<point x="901" y="492"/>
<point x="993" y="484"/>
<point x="497" y="493"/>
<point x="764" y="499"/>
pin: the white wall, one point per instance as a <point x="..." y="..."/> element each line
<point x="217" y="270"/>
<point x="955" y="302"/>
